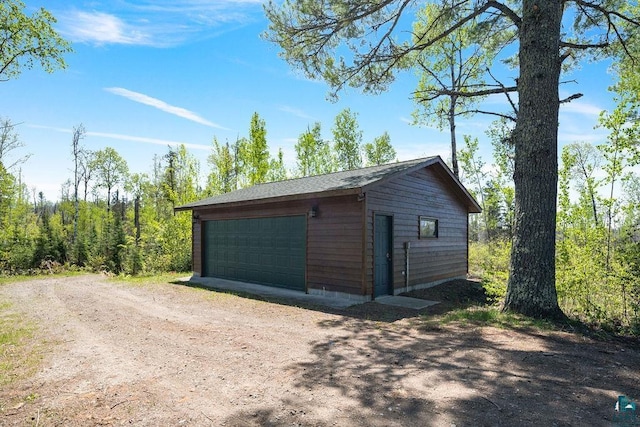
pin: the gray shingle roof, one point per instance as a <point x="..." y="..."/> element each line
<point x="329" y="183"/>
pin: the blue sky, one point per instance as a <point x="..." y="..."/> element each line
<point x="148" y="74"/>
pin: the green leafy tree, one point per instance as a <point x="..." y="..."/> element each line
<point x="240" y="166"/>
<point x="154" y="190"/>
<point x="452" y="68"/>
<point x="86" y="171"/>
<point x="347" y="138"/>
<point x="380" y="151"/>
<point x="9" y="142"/>
<point x="501" y="135"/>
<point x="115" y="237"/>
<point x="180" y="183"/>
<point x="135" y="185"/>
<point x="621" y="150"/>
<point x="19" y="230"/>
<point x="370" y="38"/>
<point x="588" y="283"/>
<point x="583" y="161"/>
<point x="313" y="154"/>
<point x="49" y="245"/>
<point x="472" y="166"/>
<point x="111" y="169"/>
<point x="169" y="185"/>
<point x="222" y="178"/>
<point x="277" y="169"/>
<point x="6" y="195"/>
<point x="256" y="151"/>
<point x="496" y="215"/>
<point x="26" y="40"/>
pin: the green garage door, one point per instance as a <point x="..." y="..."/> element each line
<point x="271" y="251"/>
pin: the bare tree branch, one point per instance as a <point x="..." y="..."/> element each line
<point x="506" y="92"/>
<point x="491" y="113"/>
<point x="585" y="45"/>
<point x="571" y="98"/>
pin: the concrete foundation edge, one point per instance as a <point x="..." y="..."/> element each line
<point x="362" y="298"/>
<point x="341" y="295"/>
<point x="419" y="286"/>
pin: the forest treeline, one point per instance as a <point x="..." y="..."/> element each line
<point x="108" y="219"/>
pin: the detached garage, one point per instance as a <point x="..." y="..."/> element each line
<point x="359" y="234"/>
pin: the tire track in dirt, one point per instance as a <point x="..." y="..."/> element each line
<point x="119" y="342"/>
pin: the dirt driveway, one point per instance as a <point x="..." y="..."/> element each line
<point x="171" y="355"/>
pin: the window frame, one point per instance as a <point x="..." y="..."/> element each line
<point x="434" y="221"/>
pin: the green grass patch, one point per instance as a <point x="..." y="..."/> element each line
<point x="152" y="279"/>
<point x="39" y="274"/>
<point x="17" y="356"/>
<point x="4" y="280"/>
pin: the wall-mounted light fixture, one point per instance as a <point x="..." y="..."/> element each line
<point x="313" y="212"/>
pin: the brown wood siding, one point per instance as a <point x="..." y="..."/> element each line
<point x="421" y="193"/>
<point x="334" y="237"/>
<point x="334" y="246"/>
<point x="196" y="249"/>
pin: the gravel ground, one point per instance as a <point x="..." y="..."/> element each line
<point x="172" y="355"/>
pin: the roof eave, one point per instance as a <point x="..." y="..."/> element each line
<point x="303" y="196"/>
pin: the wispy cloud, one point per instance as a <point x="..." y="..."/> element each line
<point x="570" y="134"/>
<point x="295" y="111"/>
<point x="578" y="107"/>
<point x="148" y="140"/>
<point x="163" y="106"/>
<point x="102" y="28"/>
<point x="158" y="23"/>
<point x="131" y="138"/>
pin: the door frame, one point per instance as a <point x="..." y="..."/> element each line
<point x="390" y="287"/>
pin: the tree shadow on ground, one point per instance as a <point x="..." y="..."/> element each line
<point x="374" y="371"/>
<point x="399" y="375"/>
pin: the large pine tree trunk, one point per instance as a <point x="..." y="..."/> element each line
<point x="531" y="289"/>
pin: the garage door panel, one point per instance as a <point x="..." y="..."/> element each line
<point x="262" y="250"/>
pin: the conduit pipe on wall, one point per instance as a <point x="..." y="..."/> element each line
<point x="407" y="246"/>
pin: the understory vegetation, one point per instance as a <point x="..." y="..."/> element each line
<point x="597" y="239"/>
<point x="587" y="292"/>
